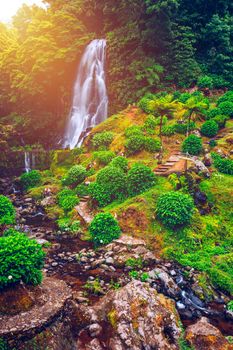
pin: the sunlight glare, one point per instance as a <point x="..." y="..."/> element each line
<point x="10" y="7"/>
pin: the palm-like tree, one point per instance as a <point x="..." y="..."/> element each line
<point x="194" y="107"/>
<point x="164" y="107"/>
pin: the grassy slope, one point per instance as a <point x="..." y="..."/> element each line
<point x="206" y="243"/>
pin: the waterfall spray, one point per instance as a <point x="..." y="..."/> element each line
<point x="90" y="100"/>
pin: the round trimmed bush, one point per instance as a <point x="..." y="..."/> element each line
<point x="104" y="157"/>
<point x="135" y="144"/>
<point x="7" y="211"/>
<point x="99" y="193"/>
<point x="67" y="199"/>
<point x="21" y="259"/>
<point x="102" y="139"/>
<point x="175" y="209"/>
<point x="140" y="178"/>
<point x="30" y="179"/>
<point x="120" y="162"/>
<point x="152" y="145"/>
<point x="209" y="128"/>
<point x="75" y="176"/>
<point x="113" y="181"/>
<point x="104" y="228"/>
<point x="226" y="108"/>
<point x="192" y="145"/>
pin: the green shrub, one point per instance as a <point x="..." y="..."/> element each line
<point x="192" y="145"/>
<point x="68" y="225"/>
<point x="103" y="139"/>
<point x="230" y="306"/>
<point x="228" y="96"/>
<point x="133" y="130"/>
<point x="140" y="178"/>
<point x="182" y="128"/>
<point x="67" y="199"/>
<point x="144" y="103"/>
<point x="175" y="209"/>
<point x="31" y="179"/>
<point x="223" y="165"/>
<point x="205" y="82"/>
<point x="209" y="128"/>
<point x="104" y="157"/>
<point x="104" y="228"/>
<point x="150" y="124"/>
<point x="81" y="190"/>
<point x="211" y="113"/>
<point x="226" y="108"/>
<point x="21" y="259"/>
<point x="120" y="162"/>
<point x="75" y="176"/>
<point x="98" y="193"/>
<point x="221" y="120"/>
<point x="184" y="97"/>
<point x="7" y="211"/>
<point x="221" y="279"/>
<point x="135" y="144"/>
<point x="113" y="181"/>
<point x="152" y="145"/>
<point x="168" y="130"/>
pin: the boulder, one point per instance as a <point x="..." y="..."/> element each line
<point x="204" y="336"/>
<point x="134" y="317"/>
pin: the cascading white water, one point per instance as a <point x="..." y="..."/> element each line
<point x="27" y="162"/>
<point x="90" y="100"/>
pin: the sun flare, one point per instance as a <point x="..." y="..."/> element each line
<point x="9" y="8"/>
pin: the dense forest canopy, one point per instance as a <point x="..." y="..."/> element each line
<point x="151" y="45"/>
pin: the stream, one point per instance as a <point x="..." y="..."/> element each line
<point x="75" y="261"/>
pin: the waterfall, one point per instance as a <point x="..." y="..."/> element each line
<point x="90" y="100"/>
<point x="27" y="162"/>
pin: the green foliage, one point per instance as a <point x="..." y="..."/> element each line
<point x="139" y="179"/>
<point x="7" y="211"/>
<point x="205" y="82"/>
<point x="150" y="122"/>
<point x="213" y="143"/>
<point x="227" y="97"/>
<point x="224" y="165"/>
<point x="94" y="287"/>
<point x="134" y="274"/>
<point x="209" y="128"/>
<point x="182" y="128"/>
<point x="192" y="145"/>
<point x="67" y="199"/>
<point x="110" y="185"/>
<point x="30" y="179"/>
<point x="98" y="193"/>
<point x="226" y="108"/>
<point x="175" y="209"/>
<point x="21" y="259"/>
<point x="75" y="176"/>
<point x="211" y="113"/>
<point x="104" y="228"/>
<point x="120" y="162"/>
<point x="152" y="145"/>
<point x="134" y="263"/>
<point x="134" y="144"/>
<point x="81" y="190"/>
<point x="68" y="225"/>
<point x="168" y="130"/>
<point x="104" y="157"/>
<point x="230" y="306"/>
<point x="102" y="140"/>
<point x="144" y="277"/>
<point x="133" y="130"/>
<point x="221" y="120"/>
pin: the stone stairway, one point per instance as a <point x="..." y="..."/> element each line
<point x="171" y="164"/>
